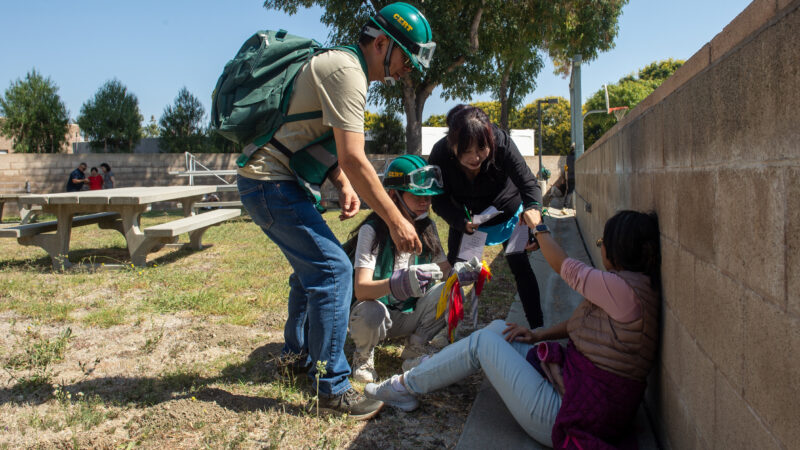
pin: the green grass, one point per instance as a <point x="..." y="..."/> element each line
<point x="241" y="280"/>
<point x="106" y="316"/>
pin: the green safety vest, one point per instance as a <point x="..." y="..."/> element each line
<point x="384" y="267"/>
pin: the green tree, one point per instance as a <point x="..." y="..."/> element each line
<point x="151" y="130"/>
<point x="660" y="70"/>
<point x="492" y="109"/>
<point x="508" y="58"/>
<point x="386" y="132"/>
<point x="566" y="26"/>
<point x="181" y="125"/>
<point x="34" y="115"/>
<point x="111" y="119"/>
<point x="218" y="144"/>
<point x="556" y="138"/>
<point x="435" y="120"/>
<point x="628" y="91"/>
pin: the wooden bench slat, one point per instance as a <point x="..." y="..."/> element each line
<point x="33" y="229"/>
<point x="191" y="223"/>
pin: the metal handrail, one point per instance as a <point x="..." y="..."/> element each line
<point x="191" y="166"/>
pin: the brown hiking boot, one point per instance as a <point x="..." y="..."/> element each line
<point x="350" y="402"/>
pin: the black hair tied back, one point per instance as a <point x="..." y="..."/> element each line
<point x="633" y="243"/>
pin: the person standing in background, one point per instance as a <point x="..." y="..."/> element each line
<point x="108" y="176"/>
<point x="95" y="180"/>
<point x="77" y="178"/>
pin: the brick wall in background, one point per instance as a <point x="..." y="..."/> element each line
<point x="49" y="172"/>
<point x="714" y="151"/>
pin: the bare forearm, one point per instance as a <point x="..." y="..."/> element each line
<point x="557" y="331"/>
<point x="371" y="290"/>
<point x="552" y="252"/>
<point x="360" y="173"/>
<point x="365" y="288"/>
<point x="339" y="179"/>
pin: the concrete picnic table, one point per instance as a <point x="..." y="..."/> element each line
<point x="128" y="202"/>
<point x="26" y="211"/>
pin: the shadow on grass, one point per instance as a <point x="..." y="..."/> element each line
<point x="259" y="368"/>
<point x="89" y="257"/>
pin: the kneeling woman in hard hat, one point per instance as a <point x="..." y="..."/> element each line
<point x="397" y="292"/>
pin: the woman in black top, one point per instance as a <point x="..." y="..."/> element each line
<point x="481" y="167"/>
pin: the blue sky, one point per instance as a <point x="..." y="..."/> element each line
<point x="157" y="47"/>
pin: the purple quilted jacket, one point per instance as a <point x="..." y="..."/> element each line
<point x="598" y="407"/>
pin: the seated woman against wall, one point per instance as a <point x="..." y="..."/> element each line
<point x="396" y="291"/>
<point x="584" y="395"/>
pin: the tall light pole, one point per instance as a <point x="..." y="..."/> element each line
<point x="539" y="111"/>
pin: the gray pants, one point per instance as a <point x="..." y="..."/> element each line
<point x="372" y="322"/>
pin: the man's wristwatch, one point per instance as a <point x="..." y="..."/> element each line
<point x="541" y="228"/>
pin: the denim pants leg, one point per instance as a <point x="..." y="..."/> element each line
<point x="321" y="286"/>
<point x="530" y="398"/>
<point x="295" y="332"/>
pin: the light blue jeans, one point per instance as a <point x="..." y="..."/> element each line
<point x="530" y="398"/>
<point x="321" y="287"/>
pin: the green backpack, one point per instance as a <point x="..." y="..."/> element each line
<point x="251" y="99"/>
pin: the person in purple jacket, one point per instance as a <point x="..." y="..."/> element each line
<point x="582" y="395"/>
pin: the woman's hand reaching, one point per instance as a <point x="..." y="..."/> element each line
<point x="518" y="333"/>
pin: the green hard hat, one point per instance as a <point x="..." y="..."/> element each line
<point x="410" y="30"/>
<point x="412" y="174"/>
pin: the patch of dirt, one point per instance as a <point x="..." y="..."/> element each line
<point x="180" y="381"/>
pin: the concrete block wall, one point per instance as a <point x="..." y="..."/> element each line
<point x="715" y="151"/>
<point x="49" y="172"/>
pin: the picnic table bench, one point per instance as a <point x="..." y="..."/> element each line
<point x="26" y="211"/>
<point x="118" y="209"/>
<point x="220" y="204"/>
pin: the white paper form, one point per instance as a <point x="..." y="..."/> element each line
<point x="518" y="239"/>
<point x="487" y="215"/>
<point x="472" y="245"/>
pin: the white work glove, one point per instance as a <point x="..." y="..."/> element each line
<point x="468" y="271"/>
<point x="414" y="281"/>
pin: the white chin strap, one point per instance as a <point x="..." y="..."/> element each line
<point x="387" y="78"/>
<point x="416" y="217"/>
<point x="374" y="32"/>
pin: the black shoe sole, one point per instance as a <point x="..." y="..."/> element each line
<point x="333" y="411"/>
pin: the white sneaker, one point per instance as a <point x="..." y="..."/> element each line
<point x="386" y="393"/>
<point x="414" y="362"/>
<point x="364" y="367"/>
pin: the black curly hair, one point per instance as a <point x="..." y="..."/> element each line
<point x="633" y="243"/>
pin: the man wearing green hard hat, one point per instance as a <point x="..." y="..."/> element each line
<point x="397" y="292"/>
<point x="408" y="30"/>
<point x="395" y="41"/>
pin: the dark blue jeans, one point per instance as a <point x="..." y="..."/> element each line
<point x="321" y="287"/>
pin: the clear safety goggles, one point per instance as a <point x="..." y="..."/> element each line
<point x="424" y="54"/>
<point x="422" y="178"/>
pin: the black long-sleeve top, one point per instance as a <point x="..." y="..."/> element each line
<point x="505" y="181"/>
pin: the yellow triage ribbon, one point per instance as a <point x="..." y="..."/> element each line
<point x="442" y="305"/>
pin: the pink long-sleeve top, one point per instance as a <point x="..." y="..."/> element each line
<point x="605" y="289"/>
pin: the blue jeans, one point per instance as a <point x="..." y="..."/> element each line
<point x="321" y="287"/>
<point x="530" y="398"/>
